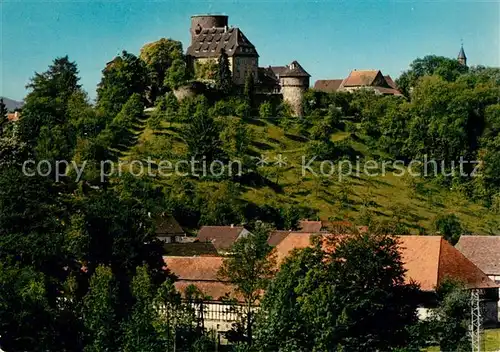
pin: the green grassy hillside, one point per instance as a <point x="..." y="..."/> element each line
<point x="413" y="201"/>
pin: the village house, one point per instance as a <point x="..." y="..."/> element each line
<point x="372" y="80"/>
<point x="429" y="260"/>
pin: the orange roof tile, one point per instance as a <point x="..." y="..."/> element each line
<point x="427" y="259"/>
<point x="222" y="237"/>
<point x="484" y="251"/>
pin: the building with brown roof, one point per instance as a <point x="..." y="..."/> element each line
<point x="483" y="251"/>
<point x="222" y="237"/>
<point x="372" y="80"/>
<point x="168" y="229"/>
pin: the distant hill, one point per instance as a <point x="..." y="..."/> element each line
<point x="12" y="104"/>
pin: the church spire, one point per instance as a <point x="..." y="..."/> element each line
<point x="461" y="56"/>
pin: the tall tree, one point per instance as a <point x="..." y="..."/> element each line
<point x="224" y="77"/>
<point x="122" y="77"/>
<point x="249" y="267"/>
<point x="140" y="330"/>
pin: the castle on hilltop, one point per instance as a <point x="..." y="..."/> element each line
<point x="211" y="35"/>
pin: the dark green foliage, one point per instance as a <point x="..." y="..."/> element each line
<point x="26" y="315"/>
<point x="84" y="118"/>
<point x="450" y="321"/>
<point x="116" y="232"/>
<point x="322" y="150"/>
<point x="220" y="205"/>
<point x="139" y="331"/>
<point x="124" y="76"/>
<point x="224" y="79"/>
<point x="350" y="297"/>
<point x="123" y="124"/>
<point x="448" y="226"/>
<point x="177" y="74"/>
<point x="235" y="137"/>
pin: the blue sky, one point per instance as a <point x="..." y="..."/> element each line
<point x="328" y="37"/>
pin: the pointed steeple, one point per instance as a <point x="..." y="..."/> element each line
<point x="461" y="56"/>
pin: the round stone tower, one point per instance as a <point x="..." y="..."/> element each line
<point x="294" y="81"/>
<point x="199" y="22"/>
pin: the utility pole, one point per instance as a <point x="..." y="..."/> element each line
<point x="476" y="321"/>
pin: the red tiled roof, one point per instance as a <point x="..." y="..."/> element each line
<point x="484" y="251"/>
<point x="327" y="85"/>
<point x="222" y="237"/>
